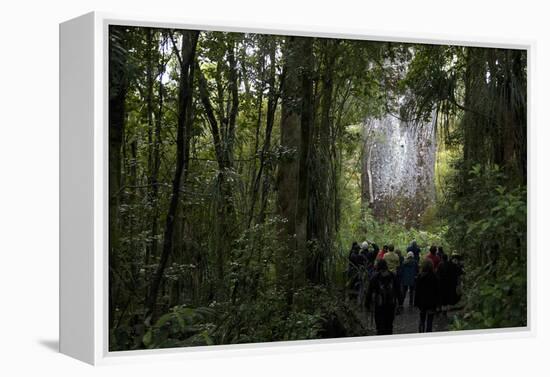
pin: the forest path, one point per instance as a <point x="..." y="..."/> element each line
<point x="407" y="321"/>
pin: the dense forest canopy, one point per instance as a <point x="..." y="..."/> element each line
<point x="240" y="173"/>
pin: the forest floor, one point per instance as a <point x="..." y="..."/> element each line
<point x="406" y="322"/>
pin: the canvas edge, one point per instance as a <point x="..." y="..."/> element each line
<point x="101" y="353"/>
<point x="76" y="190"/>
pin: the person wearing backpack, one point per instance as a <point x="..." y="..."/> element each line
<point x="427" y="295"/>
<point x="385" y="292"/>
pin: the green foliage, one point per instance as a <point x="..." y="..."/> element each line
<point x="232" y="271"/>
<point x="399" y="235"/>
<point x="488" y="223"/>
<point x="181" y="327"/>
<point x="483" y="211"/>
<point x="262" y="318"/>
<point x="494" y="302"/>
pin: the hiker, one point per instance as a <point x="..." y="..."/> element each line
<point x="392" y="259"/>
<point x="381" y="253"/>
<point x="415" y="250"/>
<point x="363" y="253"/>
<point x="455" y="271"/>
<point x="351" y="258"/>
<point x="400" y="255"/>
<point x="362" y="273"/>
<point x="385" y="292"/>
<point x="447" y="283"/>
<point x="353" y="268"/>
<point x="372" y="254"/>
<point x="426" y="295"/>
<point x="399" y="277"/>
<point x="433" y="257"/>
<point x="440" y="252"/>
<point x="409" y="270"/>
<point x="371" y="260"/>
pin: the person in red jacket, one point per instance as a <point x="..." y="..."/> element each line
<point x="433" y="257"/>
<point x="382" y="252"/>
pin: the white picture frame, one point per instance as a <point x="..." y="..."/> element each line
<point x="84" y="187"/>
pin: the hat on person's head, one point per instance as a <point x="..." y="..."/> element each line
<point x="365" y="245"/>
<point x="410" y="254"/>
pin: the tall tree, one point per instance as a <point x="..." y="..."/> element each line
<point x="321" y="183"/>
<point x="185" y="57"/>
<point x="155" y="147"/>
<point x="292" y="176"/>
<point x="222" y="119"/>
<point x="273" y="95"/>
<point x="118" y="89"/>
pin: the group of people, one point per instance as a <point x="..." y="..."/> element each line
<point x="382" y="279"/>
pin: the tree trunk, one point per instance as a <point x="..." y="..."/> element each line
<point x="272" y="100"/>
<point x="118" y="88"/>
<point x="185" y="92"/>
<point x="152" y="142"/>
<point x="154" y="193"/>
<point x="321" y="184"/>
<point x="292" y="177"/>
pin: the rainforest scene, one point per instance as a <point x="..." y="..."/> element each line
<point x="276" y="187"/>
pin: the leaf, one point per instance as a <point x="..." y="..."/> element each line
<point x="148" y="338"/>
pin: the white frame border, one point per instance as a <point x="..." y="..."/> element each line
<point x="100" y="172"/>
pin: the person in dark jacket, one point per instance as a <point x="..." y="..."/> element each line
<point x="385" y="292"/>
<point x="415" y="250"/>
<point x="426" y="295"/>
<point x="372" y="253"/>
<point x="353" y="258"/>
<point x="354" y="261"/>
<point x="440" y="252"/>
<point x="454" y="273"/>
<point x="362" y="274"/>
<point x="399" y="277"/>
<point x="447" y="278"/>
<point x="409" y="270"/>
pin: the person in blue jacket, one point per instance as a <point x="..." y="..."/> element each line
<point x="409" y="270"/>
<point x="415" y="250"/>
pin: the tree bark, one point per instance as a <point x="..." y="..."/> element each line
<point x="296" y="108"/>
<point x="321" y="185"/>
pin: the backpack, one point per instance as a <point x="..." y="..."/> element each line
<point x="385" y="293"/>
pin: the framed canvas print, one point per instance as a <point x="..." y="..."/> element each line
<point x="226" y="187"/>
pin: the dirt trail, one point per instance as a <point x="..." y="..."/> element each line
<point x="407" y="321"/>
